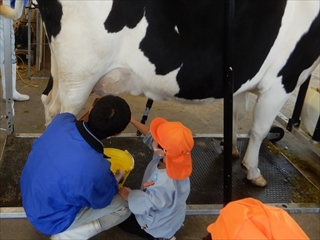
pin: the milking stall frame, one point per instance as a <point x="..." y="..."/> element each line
<point x="291" y="125"/>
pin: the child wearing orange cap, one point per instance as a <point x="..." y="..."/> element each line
<point x="159" y="207"/>
<point x="249" y="218"/>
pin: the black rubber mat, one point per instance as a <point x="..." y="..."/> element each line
<point x="285" y="183"/>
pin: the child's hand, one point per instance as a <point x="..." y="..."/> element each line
<point x="124" y="192"/>
<point x="132" y="119"/>
<point x="119" y="175"/>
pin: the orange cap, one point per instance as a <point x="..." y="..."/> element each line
<point x="251" y="219"/>
<point x="177" y="140"/>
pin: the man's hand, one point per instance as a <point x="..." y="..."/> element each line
<point x="119" y="175"/>
<point x="124" y="192"/>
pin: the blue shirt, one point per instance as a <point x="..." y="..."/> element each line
<point x="13" y="2"/>
<point x="65" y="171"/>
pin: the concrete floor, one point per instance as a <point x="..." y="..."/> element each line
<point x="29" y="118"/>
<point x="194" y="228"/>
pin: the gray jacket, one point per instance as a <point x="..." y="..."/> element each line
<point x="160" y="208"/>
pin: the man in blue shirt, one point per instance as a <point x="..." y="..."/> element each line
<point x="13" y="13"/>
<point x="67" y="187"/>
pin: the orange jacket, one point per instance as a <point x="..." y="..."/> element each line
<point x="251" y="219"/>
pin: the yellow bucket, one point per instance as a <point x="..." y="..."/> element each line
<point x="120" y="159"/>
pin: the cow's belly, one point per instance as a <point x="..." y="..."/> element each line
<point x="123" y="80"/>
<point x="119" y="80"/>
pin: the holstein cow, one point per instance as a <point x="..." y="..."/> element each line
<point x="173" y="50"/>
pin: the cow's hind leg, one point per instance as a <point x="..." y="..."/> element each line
<point x="266" y="109"/>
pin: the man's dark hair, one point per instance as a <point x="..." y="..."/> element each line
<point x="109" y="116"/>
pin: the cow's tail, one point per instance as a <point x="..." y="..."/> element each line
<point x="46" y="92"/>
<point x="8" y="12"/>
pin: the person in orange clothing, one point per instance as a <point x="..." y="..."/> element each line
<point x="251" y="219"/>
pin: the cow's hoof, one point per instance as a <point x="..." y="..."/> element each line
<point x="244" y="169"/>
<point x="235" y="152"/>
<point x="259" y="181"/>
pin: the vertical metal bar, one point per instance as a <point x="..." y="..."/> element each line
<point x="295" y="119"/>
<point x="145" y="114"/>
<point x="8" y="71"/>
<point x="29" y="43"/>
<point x="228" y="98"/>
<point x="43" y="46"/>
<point x="38" y="42"/>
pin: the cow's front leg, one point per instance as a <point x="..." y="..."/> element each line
<point x="50" y="97"/>
<point x="266" y="109"/>
<point x="240" y="105"/>
<point x="250" y="160"/>
<point x="73" y="99"/>
<point x="239" y="111"/>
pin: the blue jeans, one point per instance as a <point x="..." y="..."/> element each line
<point x="113" y="214"/>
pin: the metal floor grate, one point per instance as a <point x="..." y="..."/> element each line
<point x="285" y="183"/>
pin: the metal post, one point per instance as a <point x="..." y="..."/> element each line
<point x="228" y="99"/>
<point x="38" y="26"/>
<point x="29" y="43"/>
<point x="145" y="114"/>
<point x="8" y="71"/>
